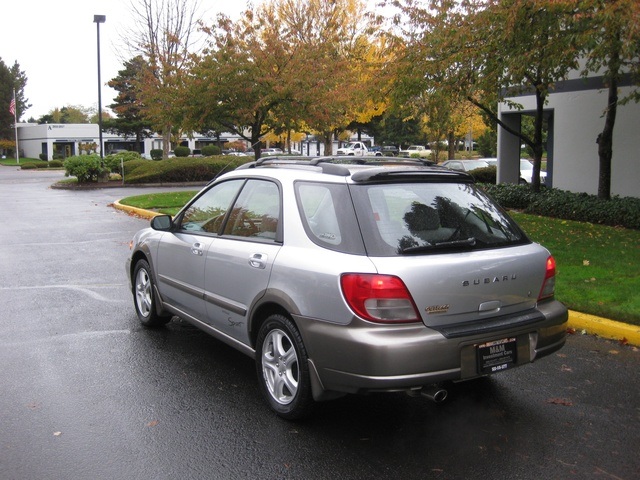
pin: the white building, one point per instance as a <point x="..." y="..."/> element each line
<point x="575" y="116"/>
<point x="64" y="140"/>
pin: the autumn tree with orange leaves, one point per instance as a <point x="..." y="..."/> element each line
<point x="287" y="64"/>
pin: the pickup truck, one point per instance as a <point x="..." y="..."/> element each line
<point x="358" y="149"/>
<point x="420" y="150"/>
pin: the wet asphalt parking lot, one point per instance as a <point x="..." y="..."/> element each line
<point x="87" y="393"/>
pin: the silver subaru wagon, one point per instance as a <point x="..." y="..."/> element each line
<point x="350" y="276"/>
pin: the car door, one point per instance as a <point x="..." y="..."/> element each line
<point x="182" y="254"/>
<point x="239" y="263"/>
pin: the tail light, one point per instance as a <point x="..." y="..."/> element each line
<point x="549" y="285"/>
<point x="379" y="298"/>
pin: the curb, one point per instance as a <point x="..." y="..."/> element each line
<point x="590" y="324"/>
<point x="602" y="327"/>
<point x="139" y="212"/>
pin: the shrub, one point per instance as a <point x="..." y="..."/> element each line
<point x="182" y="151"/>
<point x="211" y="150"/>
<point x="86" y="168"/>
<point x="582" y="207"/>
<point x="485" y="175"/>
<point x="179" y="170"/>
<point x="114" y="162"/>
<point x="31" y="164"/>
<point x="43" y="157"/>
<point x="156" y="154"/>
<point x="56" y="164"/>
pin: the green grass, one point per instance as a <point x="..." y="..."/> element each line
<point x="11" y="162"/>
<point x="598" y="267"/>
<point x="168" y="203"/>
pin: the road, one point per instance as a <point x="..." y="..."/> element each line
<point x="89" y="394"/>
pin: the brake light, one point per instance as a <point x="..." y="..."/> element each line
<point x="379" y="298"/>
<point x="549" y="285"/>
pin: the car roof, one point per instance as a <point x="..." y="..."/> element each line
<point x="355" y="169"/>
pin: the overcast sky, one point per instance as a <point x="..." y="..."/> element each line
<point x="55" y="44"/>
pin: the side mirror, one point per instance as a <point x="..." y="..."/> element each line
<point x="162" y="223"/>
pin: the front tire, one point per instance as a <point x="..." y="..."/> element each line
<point x="144" y="298"/>
<point x="283" y="369"/>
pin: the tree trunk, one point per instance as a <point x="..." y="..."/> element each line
<point x="605" y="143"/>
<point x="328" y="142"/>
<point x="537" y="147"/>
<point x="166" y="141"/>
<point x="605" y="138"/>
<point x="451" y="138"/>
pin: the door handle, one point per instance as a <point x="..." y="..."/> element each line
<point x="258" y="260"/>
<point x="196" y="249"/>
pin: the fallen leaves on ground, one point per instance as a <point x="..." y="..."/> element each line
<point x="560" y="401"/>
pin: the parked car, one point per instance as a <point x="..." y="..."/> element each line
<point x="416" y="150"/>
<point x="526" y="172"/>
<point x="271" y="151"/>
<point x="359" y="149"/>
<point x="341" y="278"/>
<point x="464" y="165"/>
<point x="390" y="150"/>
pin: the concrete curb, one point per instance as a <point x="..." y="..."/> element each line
<point x="578" y="321"/>
<point x="139" y="212"/>
<point x="605" y="328"/>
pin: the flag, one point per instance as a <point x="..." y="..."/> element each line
<point x="12" y="106"/>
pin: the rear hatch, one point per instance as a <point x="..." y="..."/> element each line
<point x="452" y="288"/>
<point x="459" y="254"/>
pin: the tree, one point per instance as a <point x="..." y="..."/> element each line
<point x="130" y="121"/>
<point x="345" y="86"/>
<point x="247" y="79"/>
<point x="450" y="48"/>
<point x="289" y="65"/>
<point x="11" y="80"/>
<point x="611" y="32"/>
<point x="164" y="38"/>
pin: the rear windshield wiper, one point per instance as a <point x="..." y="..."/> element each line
<point x="466" y="242"/>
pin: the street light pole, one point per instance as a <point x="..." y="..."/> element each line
<point x="98" y="19"/>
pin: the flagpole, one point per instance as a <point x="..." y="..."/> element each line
<point x="15" y="125"/>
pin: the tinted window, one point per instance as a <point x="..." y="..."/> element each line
<point x="328" y="216"/>
<point x="207" y="212"/>
<point x="256" y="212"/>
<point x="430" y="217"/>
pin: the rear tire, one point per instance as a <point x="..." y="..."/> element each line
<point x="283" y="368"/>
<point x="144" y="298"/>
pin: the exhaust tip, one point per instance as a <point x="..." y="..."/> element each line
<point x="435" y="394"/>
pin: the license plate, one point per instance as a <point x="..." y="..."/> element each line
<point x="497" y="355"/>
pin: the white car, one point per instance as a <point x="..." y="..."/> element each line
<point x="271" y="151"/>
<point x="526" y="172"/>
<point x="420" y="150"/>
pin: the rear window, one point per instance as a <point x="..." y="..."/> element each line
<point x="412" y="218"/>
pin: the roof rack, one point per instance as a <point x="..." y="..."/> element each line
<point x="338" y="165"/>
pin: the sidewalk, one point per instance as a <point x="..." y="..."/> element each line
<point x="580" y="322"/>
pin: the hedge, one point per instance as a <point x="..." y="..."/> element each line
<point x="172" y="170"/>
<point x="582" y="207"/>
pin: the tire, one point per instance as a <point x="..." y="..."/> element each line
<point x="144" y="299"/>
<point x="283" y="369"/>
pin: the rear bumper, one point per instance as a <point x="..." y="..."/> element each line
<point x="362" y="357"/>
